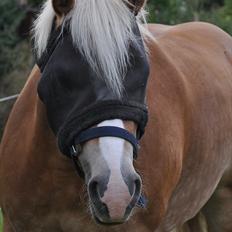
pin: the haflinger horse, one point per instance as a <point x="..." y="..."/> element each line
<point x="184" y="169"/>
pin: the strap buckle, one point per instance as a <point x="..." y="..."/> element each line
<point x="74" y="151"/>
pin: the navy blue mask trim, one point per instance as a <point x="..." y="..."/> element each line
<point x="108" y="131"/>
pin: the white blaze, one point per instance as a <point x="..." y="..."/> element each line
<point x="117" y="195"/>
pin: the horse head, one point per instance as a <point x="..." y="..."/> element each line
<point x="93" y="86"/>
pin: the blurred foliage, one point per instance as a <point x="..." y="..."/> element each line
<point x="10" y="16"/>
<point x="173" y="12"/>
<point x="35" y="2"/>
<point x="15" y="55"/>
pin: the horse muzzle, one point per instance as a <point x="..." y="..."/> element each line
<point x="113" y="203"/>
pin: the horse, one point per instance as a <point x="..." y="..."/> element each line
<point x="184" y="165"/>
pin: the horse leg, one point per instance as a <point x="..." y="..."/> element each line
<point x="218" y="210"/>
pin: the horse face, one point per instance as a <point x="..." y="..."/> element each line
<point x="112" y="182"/>
<point x="78" y="95"/>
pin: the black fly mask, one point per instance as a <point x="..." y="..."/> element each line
<point x="77" y="99"/>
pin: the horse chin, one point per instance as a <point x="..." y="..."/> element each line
<point x="108" y="223"/>
<point x="104" y="220"/>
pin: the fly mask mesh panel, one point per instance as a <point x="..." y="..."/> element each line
<point x="76" y="98"/>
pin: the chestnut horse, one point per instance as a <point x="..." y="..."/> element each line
<point x="184" y="161"/>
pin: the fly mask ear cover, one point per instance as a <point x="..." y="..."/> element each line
<point x="77" y="99"/>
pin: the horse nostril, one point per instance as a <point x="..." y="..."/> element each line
<point x="134" y="184"/>
<point x="92" y="185"/>
<point x="96" y="189"/>
<point x="137" y="191"/>
<point x="135" y="195"/>
<point x="137" y="187"/>
<point x="94" y="193"/>
<point x="97" y="185"/>
<point x="93" y="189"/>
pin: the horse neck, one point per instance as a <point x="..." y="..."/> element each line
<point x="162" y="147"/>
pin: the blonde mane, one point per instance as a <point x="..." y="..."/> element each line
<point x="101" y="30"/>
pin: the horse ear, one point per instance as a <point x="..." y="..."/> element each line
<point x="62" y="7"/>
<point x="136" y="5"/>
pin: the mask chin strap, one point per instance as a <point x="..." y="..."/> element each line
<point x="97" y="132"/>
